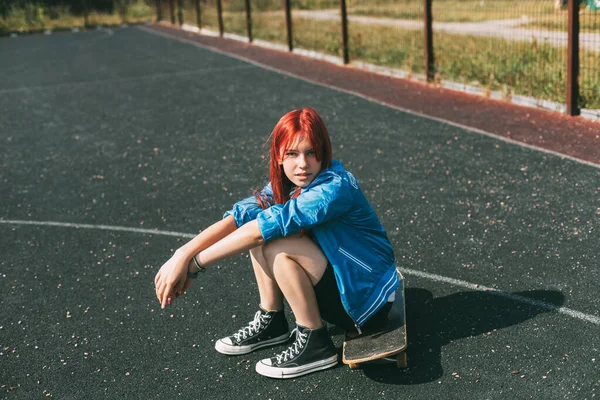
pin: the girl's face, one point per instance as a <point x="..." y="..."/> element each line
<point x="300" y="163"/>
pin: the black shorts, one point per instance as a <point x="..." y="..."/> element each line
<point x="332" y="309"/>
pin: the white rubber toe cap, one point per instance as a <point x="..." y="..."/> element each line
<point x="226" y="341"/>
<point x="267" y="362"/>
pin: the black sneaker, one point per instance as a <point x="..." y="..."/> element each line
<point x="267" y="329"/>
<point x="312" y="351"/>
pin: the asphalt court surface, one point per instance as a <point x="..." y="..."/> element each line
<point x="114" y="133"/>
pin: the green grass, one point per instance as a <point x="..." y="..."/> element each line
<point x="34" y="18"/>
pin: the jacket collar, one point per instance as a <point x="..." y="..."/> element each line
<point x="335" y="168"/>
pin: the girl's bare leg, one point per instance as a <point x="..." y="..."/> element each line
<point x="296" y="264"/>
<point x="271" y="298"/>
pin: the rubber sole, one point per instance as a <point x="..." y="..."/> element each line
<point x="286" y="373"/>
<point x="230" y="350"/>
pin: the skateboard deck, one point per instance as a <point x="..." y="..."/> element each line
<point x="386" y="344"/>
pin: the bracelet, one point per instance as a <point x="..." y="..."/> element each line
<point x="190" y="274"/>
<point x="195" y="274"/>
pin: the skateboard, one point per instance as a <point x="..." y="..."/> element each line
<point x="386" y="344"/>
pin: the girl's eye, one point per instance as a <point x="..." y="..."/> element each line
<point x="311" y="153"/>
<point x="290" y="154"/>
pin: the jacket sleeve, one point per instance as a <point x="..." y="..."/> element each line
<point x="328" y="200"/>
<point x="247" y="209"/>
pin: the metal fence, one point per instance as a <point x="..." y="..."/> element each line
<point x="589" y="39"/>
<point x="517" y="50"/>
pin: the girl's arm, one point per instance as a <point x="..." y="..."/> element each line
<point x="208" y="237"/>
<point x="171" y="280"/>
<point x="220" y="241"/>
<point x="245" y="238"/>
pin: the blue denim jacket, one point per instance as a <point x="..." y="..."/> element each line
<point x="336" y="212"/>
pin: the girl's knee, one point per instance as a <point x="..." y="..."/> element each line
<point x="270" y="251"/>
<point x="274" y="250"/>
<point x="257" y="252"/>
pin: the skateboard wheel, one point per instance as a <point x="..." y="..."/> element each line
<point x="401" y="360"/>
<point x="354" y="366"/>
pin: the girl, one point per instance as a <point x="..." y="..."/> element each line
<point x="313" y="238"/>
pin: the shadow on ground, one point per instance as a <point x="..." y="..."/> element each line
<point x="433" y="323"/>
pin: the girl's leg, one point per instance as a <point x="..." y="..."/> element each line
<point x="269" y="326"/>
<point x="296" y="264"/>
<point x="289" y="267"/>
<point x="271" y="298"/>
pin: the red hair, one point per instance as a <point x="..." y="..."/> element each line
<point x="305" y="123"/>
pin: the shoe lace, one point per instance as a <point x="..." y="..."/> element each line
<point x="253" y="327"/>
<point x="294" y="349"/>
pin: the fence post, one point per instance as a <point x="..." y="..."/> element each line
<point x="220" y="16"/>
<point x="158" y="11"/>
<point x="344" y="31"/>
<point x="288" y="22"/>
<point x="198" y="14"/>
<point x="573" y="59"/>
<point x="86" y="12"/>
<point x="429" y="60"/>
<point x="172" y="11"/>
<point x="180" y="11"/>
<point x="249" y="20"/>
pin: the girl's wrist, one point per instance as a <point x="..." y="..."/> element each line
<point x="194" y="267"/>
<point x="182" y="252"/>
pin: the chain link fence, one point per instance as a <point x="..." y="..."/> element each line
<point x="589" y="40"/>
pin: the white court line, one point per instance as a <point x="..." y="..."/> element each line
<point x="372" y="100"/>
<point x="123" y="80"/>
<point x="522" y="299"/>
<point x="101" y="227"/>
<point x="433" y="277"/>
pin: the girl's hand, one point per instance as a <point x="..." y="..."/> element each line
<point x="172" y="281"/>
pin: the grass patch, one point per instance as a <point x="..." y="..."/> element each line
<point x="35" y="18"/>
